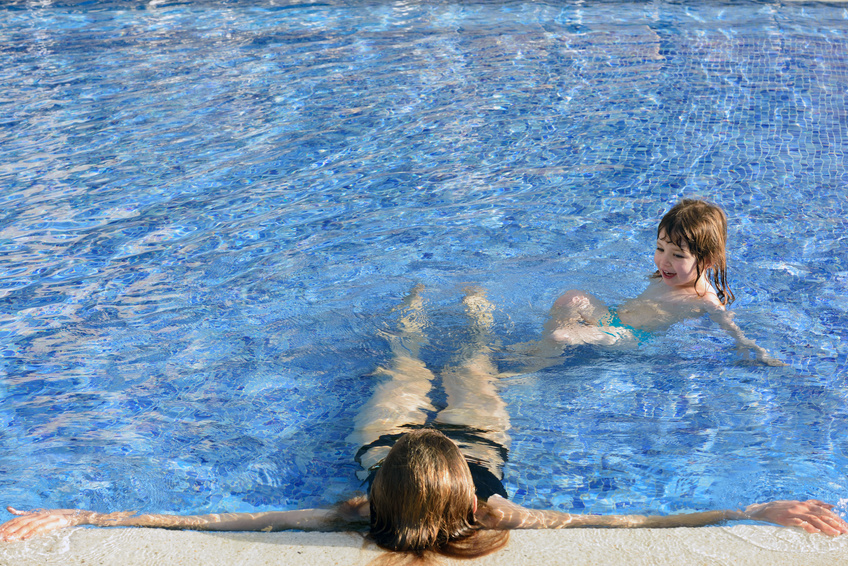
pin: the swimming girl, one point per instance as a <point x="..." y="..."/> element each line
<point x="691" y="279"/>
<point x="435" y="488"/>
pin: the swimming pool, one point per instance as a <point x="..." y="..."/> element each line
<point x="210" y="210"/>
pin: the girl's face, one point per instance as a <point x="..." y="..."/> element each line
<point x="676" y="265"/>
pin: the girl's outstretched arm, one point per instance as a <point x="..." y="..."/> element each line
<point x="813" y="516"/>
<point x="31" y="523"/>
<point x="725" y="320"/>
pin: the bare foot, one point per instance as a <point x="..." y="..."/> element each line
<point x="479" y="309"/>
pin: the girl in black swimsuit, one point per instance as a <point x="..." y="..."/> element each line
<point x="475" y="418"/>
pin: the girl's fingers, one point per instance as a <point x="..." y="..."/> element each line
<point x="806" y="525"/>
<point x="837" y="523"/>
<point x="832" y="523"/>
<point x="826" y="526"/>
<point x="25" y="525"/>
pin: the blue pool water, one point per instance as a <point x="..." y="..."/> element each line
<point x="209" y="210"/>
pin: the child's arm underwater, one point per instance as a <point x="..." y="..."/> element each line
<point x="743" y="343"/>
<point x="813" y="516"/>
<point x="31" y="523"/>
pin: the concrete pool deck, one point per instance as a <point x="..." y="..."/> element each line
<point x="737" y="545"/>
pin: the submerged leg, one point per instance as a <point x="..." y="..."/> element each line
<point x="473" y="401"/>
<point x="403" y="399"/>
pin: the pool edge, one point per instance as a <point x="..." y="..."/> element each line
<point x="737" y="545"/>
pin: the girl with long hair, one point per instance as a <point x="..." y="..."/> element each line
<point x="690" y="280"/>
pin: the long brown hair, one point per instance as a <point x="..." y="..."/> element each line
<point x="702" y="228"/>
<point x="422" y="500"/>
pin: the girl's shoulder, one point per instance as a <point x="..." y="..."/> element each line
<point x="710" y="297"/>
<point x="704" y="297"/>
<point x="501" y="514"/>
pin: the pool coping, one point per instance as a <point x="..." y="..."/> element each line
<point x="738" y="545"/>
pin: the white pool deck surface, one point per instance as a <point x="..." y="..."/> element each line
<point x="736" y="545"/>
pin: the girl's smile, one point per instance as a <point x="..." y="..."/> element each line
<point x="676" y="264"/>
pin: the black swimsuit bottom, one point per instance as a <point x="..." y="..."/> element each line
<point x="486" y="483"/>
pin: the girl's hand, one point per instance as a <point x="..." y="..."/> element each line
<point x="813" y="516"/>
<point x="760" y="354"/>
<point x="31" y="523"/>
<point x="765" y="358"/>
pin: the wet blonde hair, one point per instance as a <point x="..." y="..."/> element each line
<point x="422" y="500"/>
<point x="702" y="228"/>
